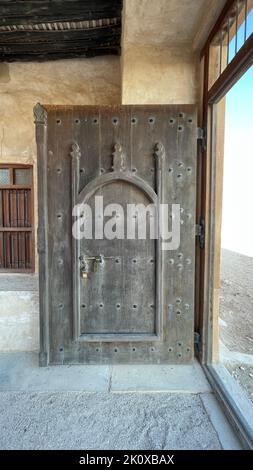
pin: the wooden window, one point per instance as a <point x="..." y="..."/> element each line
<point x="228" y="45"/>
<point x="16" y="218"/>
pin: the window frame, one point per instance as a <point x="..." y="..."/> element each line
<point x="11" y="167"/>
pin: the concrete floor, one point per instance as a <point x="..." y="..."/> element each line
<point x="108" y="407"/>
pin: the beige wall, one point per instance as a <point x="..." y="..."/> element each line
<point x="22" y="85"/>
<point x="159" y="75"/>
<point x="19" y="321"/>
<point x="159" y="65"/>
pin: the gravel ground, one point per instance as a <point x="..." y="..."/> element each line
<point x="236" y="313"/>
<point x="244" y="375"/>
<point x="77" y="420"/>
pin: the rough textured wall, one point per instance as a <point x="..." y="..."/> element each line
<point x="22" y="85"/>
<point x="158" y="62"/>
<point x="19" y="321"/>
<point x="159" y="75"/>
<point x="169" y="22"/>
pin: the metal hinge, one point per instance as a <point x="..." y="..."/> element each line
<point x="201" y="138"/>
<point x="200" y="233"/>
<point x="197" y="342"/>
<point x="197" y="338"/>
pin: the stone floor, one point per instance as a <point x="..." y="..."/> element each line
<point x="101" y="407"/>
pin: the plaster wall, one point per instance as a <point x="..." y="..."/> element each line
<point x="19" y="321"/>
<point x="159" y="75"/>
<point x="82" y="81"/>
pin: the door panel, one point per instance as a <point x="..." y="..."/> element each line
<point x="119" y="300"/>
<point x="119" y="295"/>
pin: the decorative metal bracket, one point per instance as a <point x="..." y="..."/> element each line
<point x="159" y="153"/>
<point x="40" y="114"/>
<point x="75" y="154"/>
<point x="75" y="151"/>
<point x="118" y="158"/>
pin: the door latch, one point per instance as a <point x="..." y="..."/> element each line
<point x="98" y="262"/>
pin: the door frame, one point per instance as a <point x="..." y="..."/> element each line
<point x="238" y="409"/>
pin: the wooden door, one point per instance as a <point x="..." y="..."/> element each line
<point x="116" y="299"/>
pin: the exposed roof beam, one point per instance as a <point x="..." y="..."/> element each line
<point x="56" y="54"/>
<point x="43" y="30"/>
<point x="30" y="12"/>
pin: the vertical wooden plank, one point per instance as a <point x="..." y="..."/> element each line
<point x="1" y="251"/>
<point x="8" y="250"/>
<point x="21" y="208"/>
<point x="28" y="264"/>
<point x="2" y="260"/>
<point x="6" y="208"/>
<point x="15" y="251"/>
<point x="40" y="116"/>
<point x="87" y="135"/>
<point x="13" y="208"/>
<point x="60" y="140"/>
<point x="1" y="208"/>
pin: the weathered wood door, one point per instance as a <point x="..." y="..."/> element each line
<point x="111" y="292"/>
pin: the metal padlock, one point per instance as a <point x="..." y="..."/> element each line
<point x="84" y="272"/>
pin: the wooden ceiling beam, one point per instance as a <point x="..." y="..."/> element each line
<point x="60" y="46"/>
<point x="57" y="55"/>
<point x="14" y="38"/>
<point x="49" y="41"/>
<point x="15" y="12"/>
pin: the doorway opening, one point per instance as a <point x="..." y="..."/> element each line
<point x="236" y="288"/>
<point x="227" y="259"/>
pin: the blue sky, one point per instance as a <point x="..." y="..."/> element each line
<point x="241" y="35"/>
<point x="237" y="223"/>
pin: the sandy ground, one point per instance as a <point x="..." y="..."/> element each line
<point x="76" y="420"/>
<point x="236" y="313"/>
